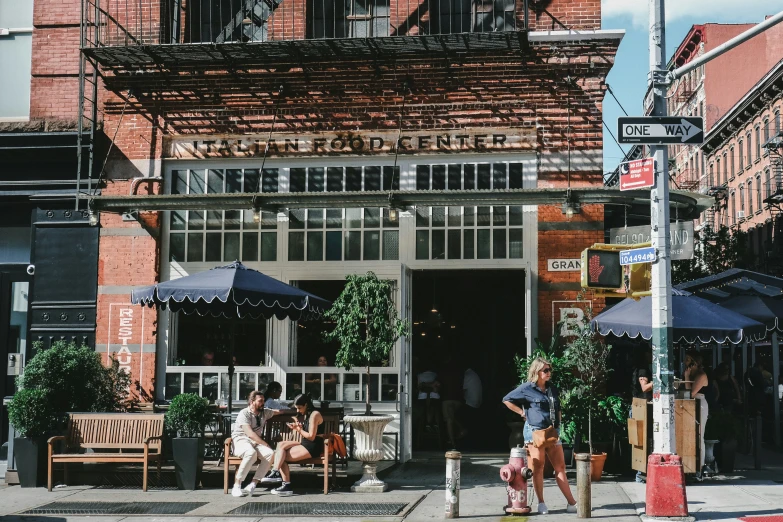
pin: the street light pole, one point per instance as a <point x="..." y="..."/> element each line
<point x="663" y="376"/>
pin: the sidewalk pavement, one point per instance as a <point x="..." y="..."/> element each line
<point x="419" y="484"/>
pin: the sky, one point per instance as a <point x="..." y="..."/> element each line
<point x="628" y="78"/>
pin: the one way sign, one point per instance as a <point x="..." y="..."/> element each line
<point x="655" y="130"/>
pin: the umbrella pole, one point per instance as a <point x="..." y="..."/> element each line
<point x="231" y="366"/>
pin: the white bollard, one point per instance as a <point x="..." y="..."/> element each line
<point x="452" y="483"/>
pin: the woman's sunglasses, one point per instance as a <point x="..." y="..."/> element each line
<point x="547" y="370"/>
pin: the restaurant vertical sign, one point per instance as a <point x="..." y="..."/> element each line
<point x="126" y="339"/>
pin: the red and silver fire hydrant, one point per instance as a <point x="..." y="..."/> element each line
<point x="516" y="474"/>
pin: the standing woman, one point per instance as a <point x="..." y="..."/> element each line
<point x="531" y="401"/>
<point x="697" y="381"/>
<point x="309" y="423"/>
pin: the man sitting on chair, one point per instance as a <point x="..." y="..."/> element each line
<point x="248" y="444"/>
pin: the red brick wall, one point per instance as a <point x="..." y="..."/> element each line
<point x="559" y="15"/>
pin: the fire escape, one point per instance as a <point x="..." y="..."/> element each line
<point x="774" y="201"/>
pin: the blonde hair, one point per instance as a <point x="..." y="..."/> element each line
<point x="536" y="366"/>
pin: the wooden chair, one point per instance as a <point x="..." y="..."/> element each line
<point x="137" y="436"/>
<point x="276" y="430"/>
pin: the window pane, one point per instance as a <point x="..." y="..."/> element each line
<point x="173" y="385"/>
<point x="263" y="380"/>
<point x="438" y="216"/>
<point x="179" y="185"/>
<point x="315" y="246"/>
<point x="438" y="177"/>
<point x="296" y="219"/>
<point x="215" y="182"/>
<point x="315" y="179"/>
<point x="252" y="178"/>
<point x="297" y="180"/>
<point x="455" y="216"/>
<point x="233" y="181"/>
<point x="247" y="383"/>
<point x="232" y="219"/>
<point x="483" y="243"/>
<point x="455" y="175"/>
<point x="177" y="247"/>
<point x="372" y="218"/>
<point x="353" y="217"/>
<point x="351" y="388"/>
<point x="334" y="179"/>
<point x="293" y="385"/>
<point x="388" y="222"/>
<point x="484" y="177"/>
<point x="195" y="247"/>
<point x="214" y="219"/>
<point x="391" y="178"/>
<point x="483" y="216"/>
<point x="197" y="182"/>
<point x="468" y="251"/>
<point x="353" y="179"/>
<point x="214" y="244"/>
<point x="334" y="218"/>
<point x="389" y="387"/>
<point x="455" y="245"/>
<point x="269" y="246"/>
<point x="499" y="176"/>
<point x="353" y="246"/>
<point x="270" y="182"/>
<point x="195" y="220"/>
<point x="334" y="246"/>
<point x="231" y="246"/>
<point x="391" y="245"/>
<point x="268" y="220"/>
<point x="515" y="215"/>
<point x="470" y="216"/>
<point x="499" y="243"/>
<point x="499" y="216"/>
<point x="296" y="246"/>
<point x="250" y="246"/>
<point x="469" y="177"/>
<point x="372" y="178"/>
<point x="438" y="244"/>
<point x="422" y="244"/>
<point x="422" y="177"/>
<point x="177" y="220"/>
<point x="373" y="385"/>
<point x="209" y="386"/>
<point x="515" y="176"/>
<point x="422" y="216"/>
<point x="372" y="245"/>
<point x="315" y="218"/>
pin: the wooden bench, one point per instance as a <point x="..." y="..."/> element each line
<point x="276" y="430"/>
<point x="137" y="436"/>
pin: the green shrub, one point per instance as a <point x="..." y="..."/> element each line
<point x="65" y="378"/>
<point x="188" y="415"/>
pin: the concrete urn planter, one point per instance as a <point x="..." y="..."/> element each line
<point x="368" y="430"/>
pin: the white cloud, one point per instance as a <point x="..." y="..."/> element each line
<point x="697" y="11"/>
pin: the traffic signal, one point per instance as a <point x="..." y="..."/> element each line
<point x="601" y="269"/>
<point x="640" y="277"/>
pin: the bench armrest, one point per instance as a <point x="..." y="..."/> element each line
<point x="150" y="439"/>
<point x="228" y="446"/>
<point x="52" y="440"/>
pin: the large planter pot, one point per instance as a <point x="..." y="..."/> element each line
<point x="517" y="437"/>
<point x="728" y="453"/>
<point x="368" y="431"/>
<point x="709" y="454"/>
<point x="31" y="462"/>
<point x="597" y="466"/>
<point x="188" y="453"/>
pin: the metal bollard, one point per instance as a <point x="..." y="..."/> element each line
<point x="452" y="483"/>
<point x="583" y="485"/>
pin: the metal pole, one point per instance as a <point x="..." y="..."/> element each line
<point x="452" y="483"/>
<point x="663" y="376"/>
<point x="583" y="485"/>
<point x="775" y="387"/>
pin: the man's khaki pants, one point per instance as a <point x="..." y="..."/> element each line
<point x="262" y="454"/>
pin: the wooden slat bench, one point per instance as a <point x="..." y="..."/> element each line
<point x="137" y="436"/>
<point x="276" y="430"/>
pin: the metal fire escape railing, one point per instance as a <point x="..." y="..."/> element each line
<point x="775" y="192"/>
<point x="87" y="116"/>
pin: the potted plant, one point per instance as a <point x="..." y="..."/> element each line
<point x="65" y="378"/>
<point x="186" y="419"/>
<point x="726" y="428"/>
<point x="367" y="327"/>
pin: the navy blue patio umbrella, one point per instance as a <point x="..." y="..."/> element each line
<point x="766" y="310"/>
<point x="234" y="292"/>
<point x="693" y="320"/>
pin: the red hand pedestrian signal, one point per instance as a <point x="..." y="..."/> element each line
<point x="595" y="267"/>
<point x="601" y="269"/>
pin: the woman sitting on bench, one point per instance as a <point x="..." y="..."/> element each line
<point x="309" y="423"/>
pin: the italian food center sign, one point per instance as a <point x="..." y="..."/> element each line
<point x="348" y="143"/>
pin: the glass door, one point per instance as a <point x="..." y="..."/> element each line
<point x="406" y="377"/>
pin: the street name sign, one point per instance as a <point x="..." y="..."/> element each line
<point x="637" y="255"/>
<point x="680" y="236"/>
<point x="637" y="174"/>
<point x="661" y="130"/>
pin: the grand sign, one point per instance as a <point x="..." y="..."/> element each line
<point x="349" y="143"/>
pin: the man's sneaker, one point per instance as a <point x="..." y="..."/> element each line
<point x="273" y="477"/>
<point x="571" y="508"/>
<point x="284" y="491"/>
<point x="250" y="488"/>
<point x="236" y="491"/>
<point x="542" y="510"/>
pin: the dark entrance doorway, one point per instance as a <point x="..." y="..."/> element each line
<point x="465" y="321"/>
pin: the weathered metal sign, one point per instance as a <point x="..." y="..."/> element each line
<point x="680" y="237"/>
<point x="350" y="143"/>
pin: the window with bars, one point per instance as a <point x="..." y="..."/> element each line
<point x="347" y="18"/>
<point x="222" y="235"/>
<point x="351" y="234"/>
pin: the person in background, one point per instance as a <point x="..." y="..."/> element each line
<point x="642" y="389"/>
<point x="273" y="391"/>
<point x="697" y="382"/>
<point x="451" y="380"/>
<point x="428" y="386"/>
<point x="473" y="395"/>
<point x="313" y="380"/>
<point x="248" y="444"/>
<point x="534" y="401"/>
<point x="208" y="357"/>
<point x="726" y="388"/>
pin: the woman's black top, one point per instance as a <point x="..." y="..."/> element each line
<point x="316" y="446"/>
<point x="536" y="404"/>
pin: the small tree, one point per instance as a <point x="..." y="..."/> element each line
<point x="367" y="325"/>
<point x="188" y="415"/>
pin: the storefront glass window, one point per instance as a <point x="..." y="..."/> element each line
<point x="205" y="341"/>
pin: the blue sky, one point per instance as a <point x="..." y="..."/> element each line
<point x="628" y="78"/>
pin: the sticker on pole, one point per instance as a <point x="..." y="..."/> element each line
<point x="637" y="174"/>
<point x="637" y="255"/>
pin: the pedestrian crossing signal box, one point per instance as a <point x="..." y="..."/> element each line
<point x="601" y="269"/>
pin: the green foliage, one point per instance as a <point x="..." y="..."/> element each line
<point x="722" y="426"/>
<point x="188" y="415"/>
<point x="66" y="378"/>
<point x="367" y="325"/>
<point x="715" y="252"/>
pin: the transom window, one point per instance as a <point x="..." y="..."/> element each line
<point x="349" y="179"/>
<point x="469" y="176"/>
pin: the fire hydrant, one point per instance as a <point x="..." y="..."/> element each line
<point x="516" y="474"/>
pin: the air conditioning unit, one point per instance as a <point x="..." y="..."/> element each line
<point x="740" y="214"/>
